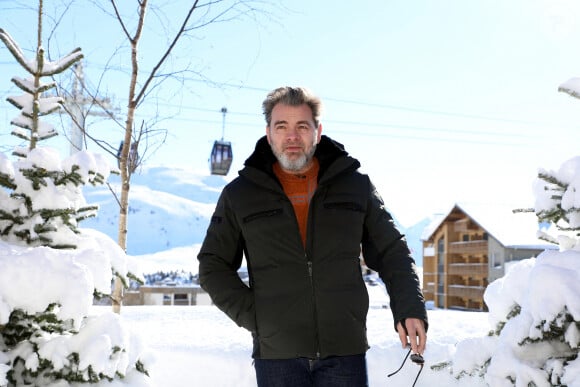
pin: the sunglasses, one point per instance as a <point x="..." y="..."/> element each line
<point x="415" y="358"/>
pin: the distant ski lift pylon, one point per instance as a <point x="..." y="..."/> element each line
<point x="221" y="153"/>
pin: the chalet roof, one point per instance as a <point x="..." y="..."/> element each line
<point x="515" y="230"/>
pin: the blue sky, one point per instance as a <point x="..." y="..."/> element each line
<point x="442" y="101"/>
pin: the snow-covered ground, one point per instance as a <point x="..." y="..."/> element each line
<point x="200" y="346"/>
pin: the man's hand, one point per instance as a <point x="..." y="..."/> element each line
<point x="413" y="333"/>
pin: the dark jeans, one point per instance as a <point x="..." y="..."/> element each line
<point x="336" y="371"/>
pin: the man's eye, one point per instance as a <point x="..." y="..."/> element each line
<point x="303" y="127"/>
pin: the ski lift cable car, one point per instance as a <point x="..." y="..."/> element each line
<point x="221" y="153"/>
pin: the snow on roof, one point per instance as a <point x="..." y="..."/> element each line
<point x="436" y="220"/>
<point x="517" y="230"/>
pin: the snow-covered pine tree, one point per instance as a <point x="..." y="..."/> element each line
<point x="557" y="203"/>
<point x="46" y="334"/>
<point x="534" y="310"/>
<point x="23" y="218"/>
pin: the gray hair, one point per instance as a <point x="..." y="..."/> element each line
<point x="292" y="96"/>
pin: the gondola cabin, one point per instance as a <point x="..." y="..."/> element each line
<point x="221" y="157"/>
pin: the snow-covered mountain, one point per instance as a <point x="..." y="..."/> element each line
<point x="413" y="236"/>
<point x="170" y="207"/>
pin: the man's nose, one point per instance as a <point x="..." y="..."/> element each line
<point x="292" y="133"/>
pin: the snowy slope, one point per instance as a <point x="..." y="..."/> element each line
<point x="413" y="236"/>
<point x="170" y="207"/>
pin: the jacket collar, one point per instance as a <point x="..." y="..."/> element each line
<point x="328" y="152"/>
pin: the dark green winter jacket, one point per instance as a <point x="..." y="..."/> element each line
<point x="305" y="302"/>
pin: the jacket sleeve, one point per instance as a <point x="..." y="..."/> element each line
<point x="219" y="258"/>
<point x="386" y="252"/>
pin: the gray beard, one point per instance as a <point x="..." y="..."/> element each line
<point x="295" y="165"/>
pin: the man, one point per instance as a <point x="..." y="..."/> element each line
<point x="300" y="212"/>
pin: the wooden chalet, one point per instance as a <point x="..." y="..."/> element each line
<point x="471" y="246"/>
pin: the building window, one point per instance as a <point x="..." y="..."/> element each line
<point x="495" y="263"/>
<point x="441" y="272"/>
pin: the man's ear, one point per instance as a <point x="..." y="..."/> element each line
<point x="319" y="133"/>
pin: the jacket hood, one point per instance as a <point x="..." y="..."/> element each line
<point x="327" y="152"/>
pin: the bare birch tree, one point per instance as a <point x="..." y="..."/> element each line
<point x="147" y="74"/>
<point x="138" y="90"/>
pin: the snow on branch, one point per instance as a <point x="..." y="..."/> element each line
<point x="15" y="50"/>
<point x="27" y="85"/>
<point x="44" y="130"/>
<point x="46" y="105"/>
<point x="39" y="67"/>
<point x="571" y="86"/>
<point x="52" y="68"/>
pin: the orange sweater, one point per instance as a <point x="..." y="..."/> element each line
<point x="299" y="188"/>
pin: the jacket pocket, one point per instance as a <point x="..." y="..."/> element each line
<point x="261" y="214"/>
<point x="352" y="206"/>
<point x="341" y="221"/>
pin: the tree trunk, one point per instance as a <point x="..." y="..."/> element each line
<point x="124" y="157"/>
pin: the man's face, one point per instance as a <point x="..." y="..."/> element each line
<point x="293" y="136"/>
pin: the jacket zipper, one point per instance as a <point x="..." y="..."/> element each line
<point x="309" y="237"/>
<point x="310" y="275"/>
<point x="314" y="313"/>
<point x="310" y="272"/>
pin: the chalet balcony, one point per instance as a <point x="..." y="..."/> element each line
<point x="468" y="269"/>
<point x="464" y="225"/>
<point x="469" y="247"/>
<point x="429" y="288"/>
<point x="466" y="292"/>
